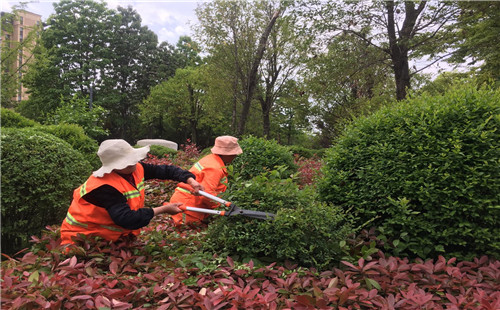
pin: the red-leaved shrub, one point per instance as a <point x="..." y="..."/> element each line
<point x="125" y="275"/>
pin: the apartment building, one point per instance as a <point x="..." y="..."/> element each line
<point x="13" y="34"/>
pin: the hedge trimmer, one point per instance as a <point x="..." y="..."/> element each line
<point x="233" y="209"/>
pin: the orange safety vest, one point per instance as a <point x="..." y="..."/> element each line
<point x="88" y="219"/>
<point x="210" y="172"/>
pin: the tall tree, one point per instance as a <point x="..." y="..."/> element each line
<point x="234" y="29"/>
<point x="344" y="81"/>
<point x="96" y="53"/>
<point x="74" y="53"/>
<point x="189" y="52"/>
<point x="15" y="56"/>
<point x="283" y="58"/>
<point x="479" y="24"/>
<point x="45" y="87"/>
<point x="177" y="108"/>
<point x="166" y="60"/>
<point x="401" y="30"/>
<point x="128" y="79"/>
<point x="79" y="35"/>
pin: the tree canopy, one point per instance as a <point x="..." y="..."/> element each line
<point x="278" y="69"/>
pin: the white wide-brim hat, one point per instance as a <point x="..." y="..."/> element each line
<point x="118" y="154"/>
<point x="226" y="145"/>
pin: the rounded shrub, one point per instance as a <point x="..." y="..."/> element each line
<point x="427" y="169"/>
<point x="12" y="119"/>
<point x="76" y="137"/>
<point x="304" y="230"/>
<point x="162" y="151"/>
<point x="261" y="155"/>
<point x="39" y="174"/>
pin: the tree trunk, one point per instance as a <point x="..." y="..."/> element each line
<point x="194" y="115"/>
<point x="266" y="104"/>
<point x="398" y="47"/>
<point x="252" y="78"/>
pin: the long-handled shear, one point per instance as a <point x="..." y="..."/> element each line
<point x="233" y="209"/>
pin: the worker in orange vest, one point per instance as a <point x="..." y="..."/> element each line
<point x="211" y="173"/>
<point x="110" y="204"/>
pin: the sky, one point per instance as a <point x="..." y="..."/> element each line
<point x="169" y="19"/>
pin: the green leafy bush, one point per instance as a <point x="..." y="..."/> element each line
<point x="161" y="151"/>
<point x="304" y="230"/>
<point x="39" y="174"/>
<point x="12" y="119"/>
<point x="76" y="137"/>
<point x="76" y="111"/>
<point x="261" y="155"/>
<point x="426" y="169"/>
<point x="71" y="133"/>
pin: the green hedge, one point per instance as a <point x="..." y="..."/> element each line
<point x="12" y="119"/>
<point x="161" y="151"/>
<point x="261" y="155"/>
<point x="304" y="230"/>
<point x="76" y="137"/>
<point x="39" y="174"/>
<point x="426" y="169"/>
<point x="71" y="133"/>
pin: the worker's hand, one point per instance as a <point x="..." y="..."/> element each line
<point x="195" y="185"/>
<point x="169" y="208"/>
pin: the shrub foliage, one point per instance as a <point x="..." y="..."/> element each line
<point x="162" y="151"/>
<point x="261" y="155"/>
<point x="304" y="230"/>
<point x="164" y="269"/>
<point x="76" y="137"/>
<point x="16" y="120"/>
<point x="428" y="169"/>
<point x="39" y="174"/>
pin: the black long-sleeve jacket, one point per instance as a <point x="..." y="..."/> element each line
<point x="114" y="202"/>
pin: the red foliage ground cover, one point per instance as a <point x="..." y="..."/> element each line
<point x="122" y="276"/>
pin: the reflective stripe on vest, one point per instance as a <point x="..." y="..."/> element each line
<point x="71" y="220"/>
<point x="198" y="166"/>
<point x="183" y="190"/>
<point x="136" y="192"/>
<point x="128" y="195"/>
<point x="111" y="228"/>
<point x="83" y="189"/>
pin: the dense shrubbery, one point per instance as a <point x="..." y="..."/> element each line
<point x="427" y="170"/>
<point x="261" y="155"/>
<point x="162" y="151"/>
<point x="12" y="119"/>
<point x="304" y="230"/>
<point x="39" y="174"/>
<point x="167" y="267"/>
<point x="71" y="133"/>
<point x="76" y="137"/>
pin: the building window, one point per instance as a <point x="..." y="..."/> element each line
<point x="21" y="20"/>
<point x="21" y="34"/>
